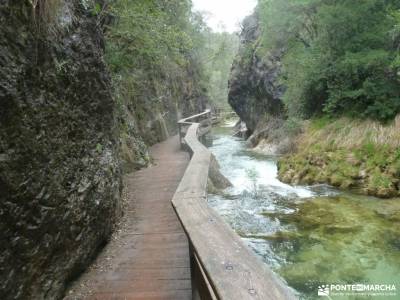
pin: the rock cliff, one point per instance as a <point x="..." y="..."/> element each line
<point x="254" y="91"/>
<point x="66" y="137"/>
<point x="152" y="115"/>
<point x="59" y="169"/>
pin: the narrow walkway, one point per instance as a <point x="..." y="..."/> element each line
<point x="149" y="259"/>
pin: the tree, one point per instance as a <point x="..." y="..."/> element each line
<point x="341" y="57"/>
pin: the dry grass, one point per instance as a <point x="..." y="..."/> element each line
<point x="346" y="133"/>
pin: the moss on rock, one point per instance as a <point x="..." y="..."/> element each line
<point x="373" y="173"/>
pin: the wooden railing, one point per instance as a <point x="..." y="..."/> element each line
<point x="204" y="121"/>
<point x="222" y="266"/>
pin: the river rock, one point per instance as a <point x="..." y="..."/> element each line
<point x="216" y="178"/>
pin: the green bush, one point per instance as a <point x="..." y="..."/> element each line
<point x="342" y="57"/>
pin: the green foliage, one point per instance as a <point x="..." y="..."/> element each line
<point x="149" y="34"/>
<point x="368" y="149"/>
<point x="99" y="148"/>
<point x="164" y="59"/>
<point x="293" y="126"/>
<point x="319" y="123"/>
<point x="217" y="54"/>
<point x="96" y="9"/>
<point x="151" y="50"/>
<point x="342" y="57"/>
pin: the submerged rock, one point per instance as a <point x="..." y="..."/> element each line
<point x="217" y="178"/>
<point x="217" y="182"/>
<point x="279" y="236"/>
<point x="337" y="239"/>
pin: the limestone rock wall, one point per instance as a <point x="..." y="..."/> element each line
<point x="254" y="91"/>
<point x="59" y="171"/>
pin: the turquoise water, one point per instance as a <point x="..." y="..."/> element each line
<point x="309" y="235"/>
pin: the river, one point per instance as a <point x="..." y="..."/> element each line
<point x="309" y="235"/>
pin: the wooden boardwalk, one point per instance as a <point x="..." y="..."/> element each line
<point x="152" y="258"/>
<point x="153" y="261"/>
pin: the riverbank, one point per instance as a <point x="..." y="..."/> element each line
<point x="349" y="154"/>
<point x="308" y="234"/>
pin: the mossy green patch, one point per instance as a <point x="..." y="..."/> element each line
<point x="320" y="123"/>
<point x="369" y="169"/>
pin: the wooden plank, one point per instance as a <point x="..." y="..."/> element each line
<point x="182" y="294"/>
<point x="185" y="120"/>
<point x="231" y="269"/>
<point x="140" y="285"/>
<point x="149" y="258"/>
